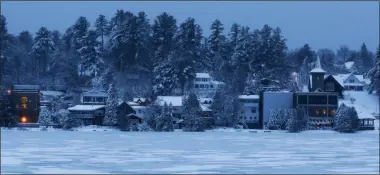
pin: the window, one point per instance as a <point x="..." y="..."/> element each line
<point x="197" y="79"/>
<point x="254" y="110"/>
<point x="211" y="86"/>
<point x="255" y="118"/>
<point x="365" y="122"/>
<point x="302" y="99"/>
<point x="351" y="80"/>
<point x="333" y="100"/>
<point x="250" y="118"/>
<point x="196" y="86"/>
<point x="86" y="99"/>
<point x="329" y="86"/>
<point x="318" y="99"/>
<point x="370" y="122"/>
<point x="331" y="112"/>
<point x="245" y="118"/>
<point x="241" y="117"/>
<point x="201" y="86"/>
<point x="206" y="86"/>
<point x="99" y="99"/>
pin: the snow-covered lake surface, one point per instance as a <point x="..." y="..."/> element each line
<point x="24" y="152"/>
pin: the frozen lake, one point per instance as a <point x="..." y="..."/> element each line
<point x="25" y="152"/>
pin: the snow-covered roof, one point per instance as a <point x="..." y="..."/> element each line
<point x="202" y="75"/>
<point x="51" y="93"/>
<point x="130" y="103"/>
<point x="205" y="107"/>
<point x="202" y="100"/>
<point x="248" y="96"/>
<point x="174" y="100"/>
<point x="217" y="82"/>
<point x="349" y="64"/>
<point x="94" y="94"/>
<point x="25" y="87"/>
<point x="141" y="99"/>
<point x="138" y="107"/>
<point x="86" y="107"/>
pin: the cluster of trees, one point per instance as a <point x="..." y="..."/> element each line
<point x="346" y="120"/>
<point x="141" y="57"/>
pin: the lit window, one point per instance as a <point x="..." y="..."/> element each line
<point x="324" y="111"/>
<point x="24" y="106"/>
<point x="317" y="112"/>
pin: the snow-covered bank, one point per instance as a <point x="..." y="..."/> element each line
<point x="365" y="104"/>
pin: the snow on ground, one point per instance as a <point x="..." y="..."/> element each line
<point x="182" y="152"/>
<point x="365" y="104"/>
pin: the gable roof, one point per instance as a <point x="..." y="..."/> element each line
<point x="335" y="79"/>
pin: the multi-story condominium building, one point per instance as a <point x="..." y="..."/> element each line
<point x="205" y="86"/>
<point x="249" y="110"/>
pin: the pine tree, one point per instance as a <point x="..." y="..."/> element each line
<point x="91" y="57"/>
<point x="42" y="51"/>
<point x="68" y="121"/>
<point x="164" y="122"/>
<point x="274" y="119"/>
<point x="366" y="59"/>
<point x="187" y="53"/>
<point x="6" y="116"/>
<point x="102" y="29"/>
<point x="45" y="117"/>
<point x="111" y="114"/>
<point x="79" y="32"/>
<point x="374" y="75"/>
<point x="216" y="49"/>
<point x="346" y="119"/>
<point x="298" y="120"/>
<point x="217" y="107"/>
<point x="193" y="121"/>
<point x="240" y="59"/>
<point x="164" y="29"/>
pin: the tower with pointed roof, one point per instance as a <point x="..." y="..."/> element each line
<point x="317" y="77"/>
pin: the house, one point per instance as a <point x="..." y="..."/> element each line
<point x="366" y="123"/>
<point x="352" y="82"/>
<point x="321" y="101"/>
<point x="320" y="82"/>
<point x="25" y="103"/>
<point x="249" y="110"/>
<point x="134" y="119"/>
<point x="270" y="85"/>
<point x="89" y="114"/>
<point x="93" y="98"/>
<point x="205" y="86"/>
<point x="139" y="105"/>
<point x="175" y="101"/>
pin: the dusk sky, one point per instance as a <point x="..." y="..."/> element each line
<point x="321" y="24"/>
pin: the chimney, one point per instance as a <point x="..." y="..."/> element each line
<point x="317" y="77"/>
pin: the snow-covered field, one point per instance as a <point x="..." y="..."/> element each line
<point x="55" y="152"/>
<point x="365" y="104"/>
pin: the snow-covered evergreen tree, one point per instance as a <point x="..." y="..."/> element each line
<point x="68" y="120"/>
<point x="252" y="84"/>
<point x="102" y="29"/>
<point x="216" y="49"/>
<point x="164" y="122"/>
<point x="6" y="116"/>
<point x="164" y="29"/>
<point x="153" y="111"/>
<point x="45" y="117"/>
<point x="374" y="75"/>
<point x="91" y="56"/>
<point x="217" y="107"/>
<point x="111" y="114"/>
<point x="192" y="120"/>
<point x="274" y="122"/>
<point x="42" y="51"/>
<point x="80" y="31"/>
<point x="346" y="119"/>
<point x="298" y="120"/>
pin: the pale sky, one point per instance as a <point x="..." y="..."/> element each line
<point x="320" y="24"/>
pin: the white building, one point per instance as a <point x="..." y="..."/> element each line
<point x="352" y="82"/>
<point x="205" y="86"/>
<point x="249" y="110"/>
